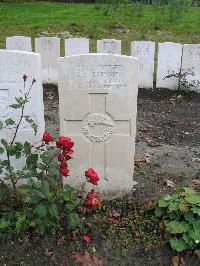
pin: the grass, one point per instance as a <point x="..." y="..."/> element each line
<point x="67" y="20"/>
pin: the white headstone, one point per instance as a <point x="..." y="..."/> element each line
<point x="144" y="51"/>
<point x="20" y="43"/>
<point x="14" y="65"/>
<point x="169" y="60"/>
<point x="191" y="63"/>
<point x="49" y="48"/>
<point x="104" y="88"/>
<point x="109" y="46"/>
<point x="75" y="46"/>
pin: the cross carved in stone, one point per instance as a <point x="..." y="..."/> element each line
<point x="97" y="128"/>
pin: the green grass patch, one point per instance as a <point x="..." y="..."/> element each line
<point x="127" y="24"/>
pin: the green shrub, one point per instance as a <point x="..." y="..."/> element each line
<point x="180" y="214"/>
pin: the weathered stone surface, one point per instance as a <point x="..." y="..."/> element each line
<point x="12" y="68"/>
<point x="20" y="43"/>
<point x="109" y="46"/>
<point x="191" y="63"/>
<point x="49" y="49"/>
<point x="75" y="46"/>
<point x="98" y="104"/>
<point x="169" y="60"/>
<point x="144" y="51"/>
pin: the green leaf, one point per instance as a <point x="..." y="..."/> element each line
<point x="184" y="207"/>
<point x="45" y="187"/>
<point x="53" y="210"/>
<point x="4" y="223"/>
<point x="178" y="244"/>
<point x="27" y="148"/>
<point x="1" y="124"/>
<point x="11" y="150"/>
<point x="173" y="206"/>
<point x="16" y="106"/>
<point x="189" y="216"/>
<point x="19" y="146"/>
<point x="188" y="239"/>
<point x="196" y="209"/>
<point x="45" y="157"/>
<point x="4" y="142"/>
<point x="73" y="221"/>
<point x="34" y="127"/>
<point x="21" y="218"/>
<point x="159" y="211"/>
<point x="9" y="122"/>
<point x="41" y="210"/>
<point x="164" y="201"/>
<point x="193" y="199"/>
<point x="176" y="227"/>
<point x="195" y="234"/>
<point x="1" y="150"/>
<point x="32" y="159"/>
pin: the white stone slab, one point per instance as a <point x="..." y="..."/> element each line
<point x="169" y="60"/>
<point x="49" y="48"/>
<point x="104" y="90"/>
<point x="191" y="61"/>
<point x="75" y="46"/>
<point x="20" y="43"/>
<point x="109" y="46"/>
<point x="13" y="66"/>
<point x="144" y="51"/>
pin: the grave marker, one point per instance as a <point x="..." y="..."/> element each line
<point x="109" y="46"/>
<point x="104" y="87"/>
<point x="75" y="46"/>
<point x="169" y="60"/>
<point x="20" y="43"/>
<point x="144" y="51"/>
<point x="14" y="65"/>
<point x="49" y="48"/>
<point x="191" y="63"/>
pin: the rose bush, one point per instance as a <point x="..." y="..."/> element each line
<point x="33" y="197"/>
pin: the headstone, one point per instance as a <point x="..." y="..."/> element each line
<point x="109" y="46"/>
<point x="169" y="60"/>
<point x="20" y="43"/>
<point x="144" y="51"/>
<point x="191" y="63"/>
<point x="49" y="48"/>
<point x="14" y="65"/>
<point x="75" y="46"/>
<point x="104" y="87"/>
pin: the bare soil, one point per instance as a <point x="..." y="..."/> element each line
<point x="167" y="156"/>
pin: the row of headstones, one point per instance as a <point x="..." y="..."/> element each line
<point x="105" y="89"/>
<point x="171" y="57"/>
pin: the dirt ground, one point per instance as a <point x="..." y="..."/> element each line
<point x="167" y="156"/>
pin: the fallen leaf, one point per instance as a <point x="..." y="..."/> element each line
<point x="61" y="241"/>
<point x="196" y="159"/>
<point x="197" y="253"/>
<point x="50" y="254"/>
<point x="170" y="183"/>
<point x="149" y="205"/>
<point x="86" y="260"/>
<point x="196" y="182"/>
<point x="178" y="261"/>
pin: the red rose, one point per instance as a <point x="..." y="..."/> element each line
<point x="65" y="143"/>
<point x="63" y="170"/>
<point x="86" y="238"/>
<point x="47" y="137"/>
<point x="92" y="176"/>
<point x="91" y="199"/>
